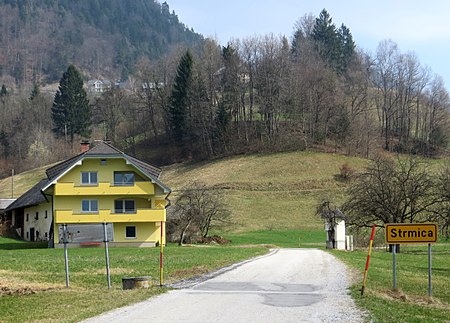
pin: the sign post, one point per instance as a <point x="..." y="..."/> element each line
<point x="108" y="275"/>
<point x="429" y="270"/>
<point x="66" y="256"/>
<point x="397" y="233"/>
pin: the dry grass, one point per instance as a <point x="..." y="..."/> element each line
<point x="10" y="284"/>
<point x="22" y="182"/>
<point x="269" y="191"/>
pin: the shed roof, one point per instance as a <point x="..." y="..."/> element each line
<point x="33" y="196"/>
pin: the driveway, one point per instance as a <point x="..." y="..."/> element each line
<point x="287" y="285"/>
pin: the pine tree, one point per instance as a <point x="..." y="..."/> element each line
<point x="335" y="46"/>
<point x="179" y="100"/>
<point x="3" y="91"/>
<point x="347" y="47"/>
<point x="325" y="37"/>
<point x="3" y="94"/>
<point x="71" y="113"/>
<point x="34" y="93"/>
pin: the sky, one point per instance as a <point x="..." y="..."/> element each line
<point x="422" y="27"/>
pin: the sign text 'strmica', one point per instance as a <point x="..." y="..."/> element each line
<point x="411" y="233"/>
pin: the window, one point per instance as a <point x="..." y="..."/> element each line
<point x="103" y="162"/>
<point x="124" y="206"/>
<point x="89" y="206"/>
<point x="27" y="217"/>
<point x="37" y="216"/>
<point x="130" y="232"/>
<point x="46" y="235"/>
<point x="46" y="214"/>
<point x="88" y="178"/>
<point x="123" y="178"/>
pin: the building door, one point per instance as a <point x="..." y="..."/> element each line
<point x="31" y="234"/>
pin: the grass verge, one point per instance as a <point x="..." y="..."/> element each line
<point x="410" y="302"/>
<point x="283" y="239"/>
<point x="32" y="281"/>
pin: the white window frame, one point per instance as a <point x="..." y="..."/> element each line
<point x="91" y="204"/>
<point x="90" y="180"/>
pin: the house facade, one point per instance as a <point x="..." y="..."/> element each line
<point x="98" y="86"/>
<point x="101" y="185"/>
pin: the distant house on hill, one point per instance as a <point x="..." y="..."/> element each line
<point x="98" y="86"/>
<point x="101" y="185"/>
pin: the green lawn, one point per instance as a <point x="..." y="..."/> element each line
<point x="35" y="277"/>
<point x="410" y="302"/>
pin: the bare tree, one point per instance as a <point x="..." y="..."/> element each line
<point x="390" y="192"/>
<point x="109" y="109"/>
<point x="441" y="214"/>
<point x="196" y="209"/>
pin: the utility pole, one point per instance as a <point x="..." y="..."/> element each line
<point x="12" y="183"/>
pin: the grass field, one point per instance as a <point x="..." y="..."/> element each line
<point x="272" y="198"/>
<point x="410" y="302"/>
<point x="32" y="281"/>
<point x="269" y="191"/>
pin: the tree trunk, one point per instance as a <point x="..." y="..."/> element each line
<point x="183" y="232"/>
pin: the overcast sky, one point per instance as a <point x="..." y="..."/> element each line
<point x="416" y="26"/>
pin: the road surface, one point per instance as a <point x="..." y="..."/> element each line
<point x="287" y="285"/>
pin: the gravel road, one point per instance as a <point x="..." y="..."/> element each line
<point x="287" y="285"/>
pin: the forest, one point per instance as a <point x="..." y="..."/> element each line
<point x="313" y="90"/>
<point x="39" y="39"/>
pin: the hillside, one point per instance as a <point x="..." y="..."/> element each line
<point x="263" y="191"/>
<point x="103" y="38"/>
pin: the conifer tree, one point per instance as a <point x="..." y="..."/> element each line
<point x="34" y="93"/>
<point x="325" y="36"/>
<point x="180" y="100"/>
<point x="71" y="113"/>
<point x="335" y="46"/>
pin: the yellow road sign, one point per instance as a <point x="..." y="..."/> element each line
<point x="411" y="233"/>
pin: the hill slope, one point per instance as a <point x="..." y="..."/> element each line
<point x="264" y="192"/>
<point x="103" y="38"/>
<point x="270" y="191"/>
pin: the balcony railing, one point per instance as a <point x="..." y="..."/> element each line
<point x="104" y="188"/>
<point x="141" y="215"/>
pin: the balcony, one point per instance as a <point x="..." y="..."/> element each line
<point x="141" y="215"/>
<point x="104" y="188"/>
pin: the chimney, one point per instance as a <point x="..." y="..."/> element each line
<point x="85" y="145"/>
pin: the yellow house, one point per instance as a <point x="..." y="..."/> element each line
<point x="101" y="185"/>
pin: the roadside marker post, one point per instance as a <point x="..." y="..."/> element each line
<point x="372" y="235"/>
<point x="161" y="257"/>
<point x="398" y="233"/>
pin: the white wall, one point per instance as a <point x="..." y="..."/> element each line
<point x="41" y="225"/>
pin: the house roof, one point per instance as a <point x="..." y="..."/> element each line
<point x="4" y="203"/>
<point x="33" y="196"/>
<point x="100" y="149"/>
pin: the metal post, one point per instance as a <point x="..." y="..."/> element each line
<point x="105" y="234"/>
<point x="394" y="266"/>
<point x="12" y="183"/>
<point x="161" y="257"/>
<point x="66" y="256"/>
<point x="429" y="271"/>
